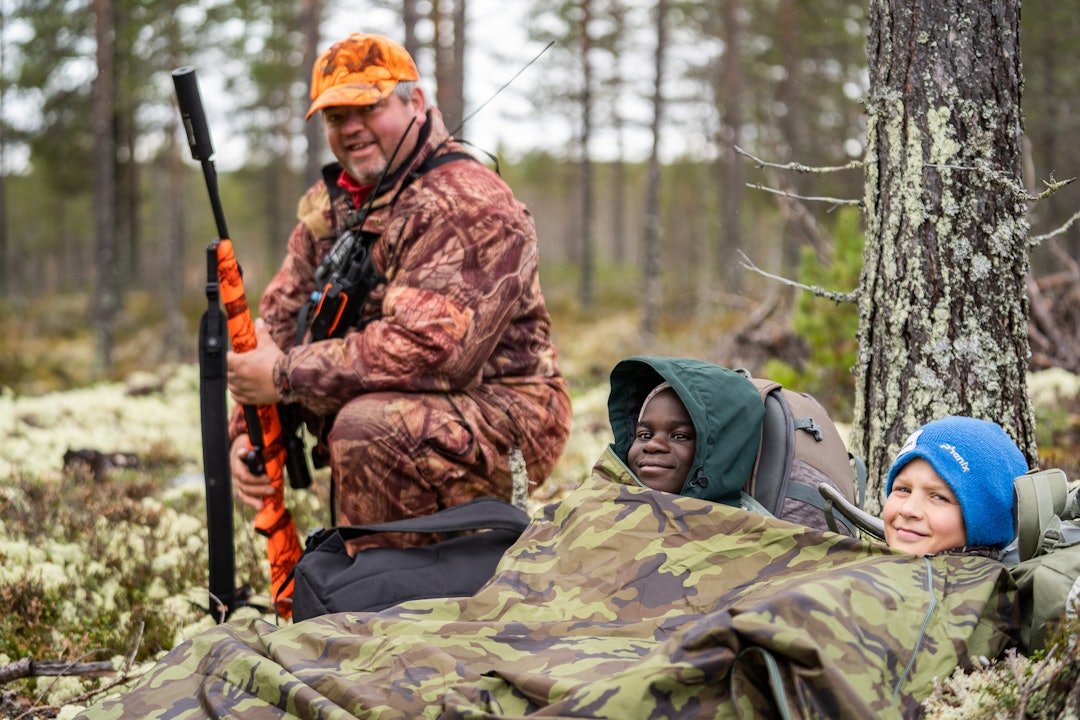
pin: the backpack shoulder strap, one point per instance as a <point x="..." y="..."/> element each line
<point x="1040" y="499"/>
<point x="435" y="161"/>
<point x="768" y="482"/>
<point x="430" y="163"/>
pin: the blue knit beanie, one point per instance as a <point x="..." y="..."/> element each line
<point x="979" y="461"/>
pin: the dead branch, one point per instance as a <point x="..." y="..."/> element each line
<point x="1028" y="683"/>
<point x="799" y="167"/>
<point x="761" y="337"/>
<point x="835" y="201"/>
<point x="1052" y="186"/>
<point x="27" y="667"/>
<point x="820" y="292"/>
<point x="1039" y="239"/>
<point x="1009" y="182"/>
<point x="761" y="313"/>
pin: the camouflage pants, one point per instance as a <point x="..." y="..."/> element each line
<point x="396" y="455"/>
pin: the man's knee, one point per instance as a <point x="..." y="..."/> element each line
<point x="368" y="418"/>
<point x="399" y="427"/>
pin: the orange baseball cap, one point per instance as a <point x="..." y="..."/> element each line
<point x="362" y="69"/>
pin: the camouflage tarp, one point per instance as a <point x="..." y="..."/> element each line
<point x="618" y="603"/>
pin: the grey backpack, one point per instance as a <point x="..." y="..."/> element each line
<point x="800" y="451"/>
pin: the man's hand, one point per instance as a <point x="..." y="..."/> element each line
<point x="250" y="489"/>
<point x="251" y="374"/>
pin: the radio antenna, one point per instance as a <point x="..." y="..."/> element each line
<point x="505" y="85"/>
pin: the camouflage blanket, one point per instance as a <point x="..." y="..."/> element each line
<point x="620" y="603"/>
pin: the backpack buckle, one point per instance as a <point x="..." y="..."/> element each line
<point x="809" y="426"/>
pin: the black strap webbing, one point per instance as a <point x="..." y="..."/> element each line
<point x="485" y="513"/>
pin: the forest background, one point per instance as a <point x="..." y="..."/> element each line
<point x="574" y="131"/>
<point x="644" y="207"/>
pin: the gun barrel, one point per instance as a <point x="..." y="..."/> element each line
<point x="190" y="101"/>
<point x="192" y="113"/>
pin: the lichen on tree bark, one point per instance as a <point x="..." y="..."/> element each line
<point x="943" y="308"/>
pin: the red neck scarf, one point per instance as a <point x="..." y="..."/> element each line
<point x="358" y="192"/>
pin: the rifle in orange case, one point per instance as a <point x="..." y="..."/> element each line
<point x="268" y="441"/>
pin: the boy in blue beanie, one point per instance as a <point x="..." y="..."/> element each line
<point x="951" y="486"/>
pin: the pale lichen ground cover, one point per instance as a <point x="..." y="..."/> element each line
<point x="147" y="414"/>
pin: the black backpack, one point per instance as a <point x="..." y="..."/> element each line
<point x="328" y="580"/>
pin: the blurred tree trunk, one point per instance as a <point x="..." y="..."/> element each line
<point x="311" y="16"/>
<point x="128" y="232"/>
<point x="729" y="95"/>
<point x="410" y="16"/>
<point x="943" y="310"/>
<point x="128" y="262"/>
<point x="6" y="275"/>
<point x="175" y="340"/>
<point x="618" y="194"/>
<point x="105" y="294"/>
<point x="587" y="290"/>
<point x="448" y="18"/>
<point x="459" y="65"/>
<point x="1051" y="88"/>
<point x="175" y="230"/>
<point x="651" y="266"/>
<point x="616" y="42"/>
<point x="792" y="122"/>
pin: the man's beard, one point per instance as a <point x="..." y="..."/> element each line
<point x="369" y="171"/>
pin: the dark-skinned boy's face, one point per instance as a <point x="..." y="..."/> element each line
<point x="663" y="449"/>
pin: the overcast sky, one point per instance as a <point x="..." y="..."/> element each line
<point x="499" y="48"/>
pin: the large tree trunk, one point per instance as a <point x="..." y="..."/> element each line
<point x="943" y="311"/>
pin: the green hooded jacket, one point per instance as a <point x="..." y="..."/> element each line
<point x="726" y="410"/>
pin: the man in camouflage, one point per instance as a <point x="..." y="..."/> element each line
<point x="450" y="365"/>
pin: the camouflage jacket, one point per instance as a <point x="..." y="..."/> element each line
<point x="460" y="303"/>
<point x="619" y="602"/>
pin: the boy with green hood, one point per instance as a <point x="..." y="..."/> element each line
<point x="684" y="426"/>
